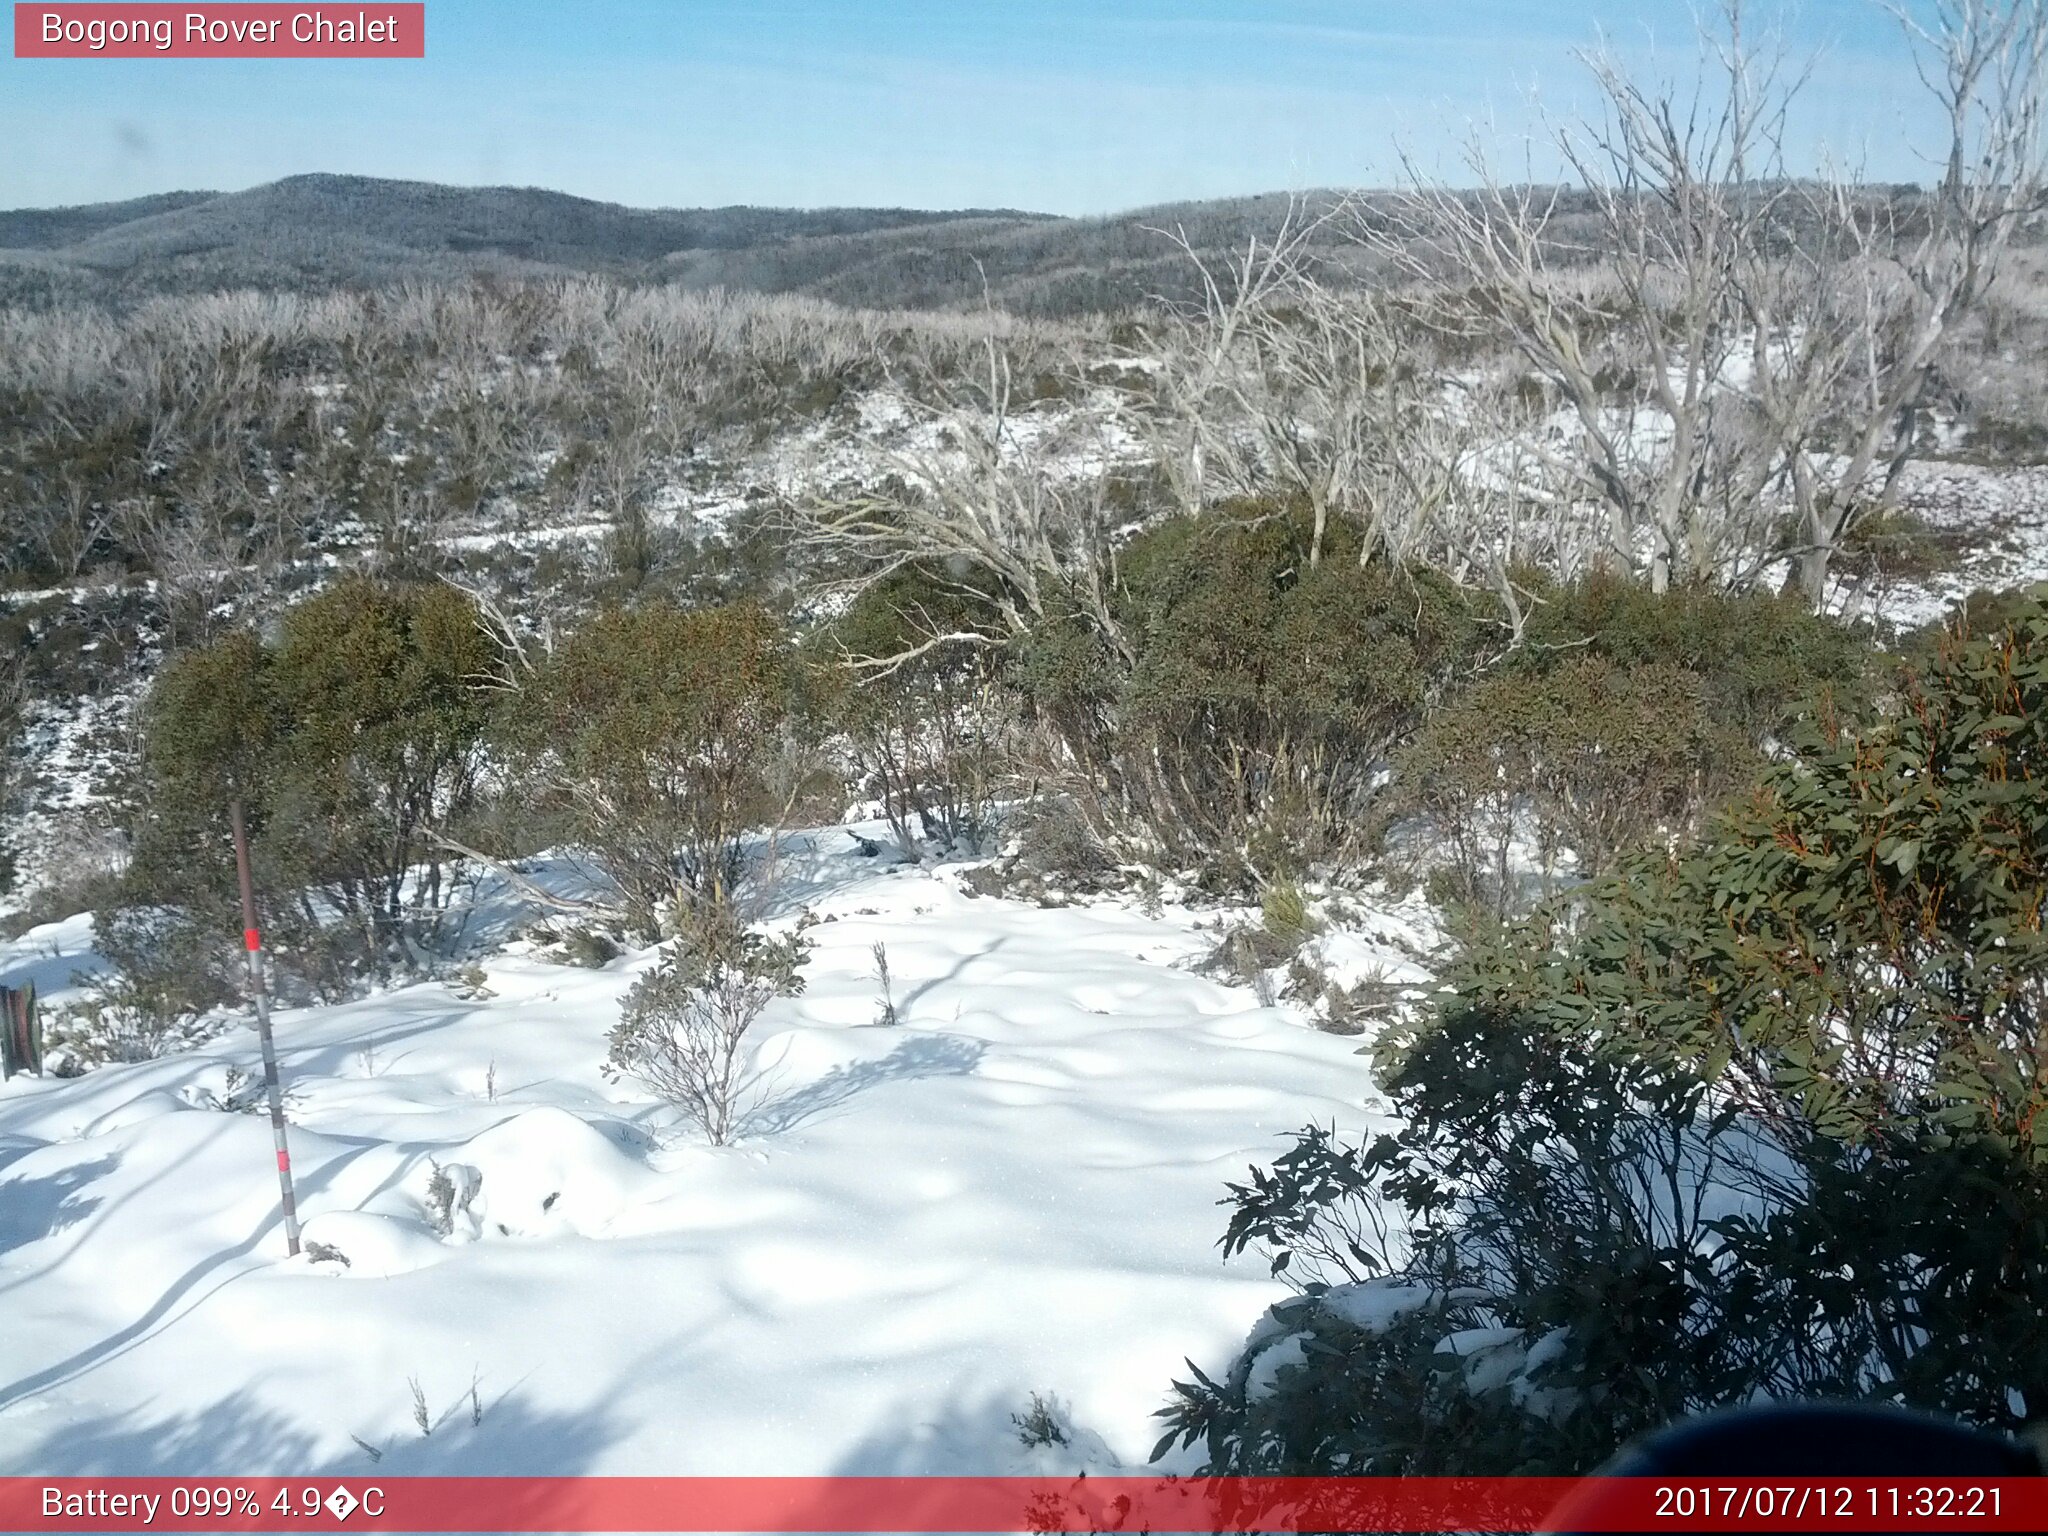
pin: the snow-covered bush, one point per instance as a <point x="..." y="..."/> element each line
<point x="683" y="1029"/>
<point x="576" y="944"/>
<point x="241" y="1092"/>
<point x="116" y="1022"/>
<point x="1374" y="1378"/>
<point x="451" y="1190"/>
<point x="1043" y="1423"/>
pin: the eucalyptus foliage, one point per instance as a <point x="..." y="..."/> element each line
<point x="1762" y="1118"/>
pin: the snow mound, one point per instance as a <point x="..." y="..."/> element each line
<point x="546" y="1172"/>
<point x="374" y="1247"/>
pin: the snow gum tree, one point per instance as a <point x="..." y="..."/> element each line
<point x="1741" y="353"/>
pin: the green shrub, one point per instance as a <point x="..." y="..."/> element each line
<point x="636" y="550"/>
<point x="351" y="742"/>
<point x="1763" y="658"/>
<point x="1896" y="544"/>
<point x="1248" y="733"/>
<point x="211" y="726"/>
<point x="1058" y="847"/>
<point x="1284" y="915"/>
<point x="385" y="689"/>
<point x="581" y="944"/>
<point x="1585" y="757"/>
<point x="1768" y="1118"/>
<point x="931" y="731"/>
<point x="655" y="733"/>
<point x="1981" y="612"/>
<point x="1623" y="721"/>
<point x="2003" y="440"/>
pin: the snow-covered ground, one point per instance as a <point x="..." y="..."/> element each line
<point x="1013" y="1190"/>
<point x="1996" y="519"/>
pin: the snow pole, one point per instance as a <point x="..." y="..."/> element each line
<point x="252" y="946"/>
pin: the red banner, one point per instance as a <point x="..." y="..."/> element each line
<point x="1001" y="1504"/>
<point x="360" y="31"/>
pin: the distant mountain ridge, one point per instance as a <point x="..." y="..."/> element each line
<point x="318" y="232"/>
<point x="47" y="228"/>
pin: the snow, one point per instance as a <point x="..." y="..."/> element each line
<point x="1263" y="1374"/>
<point x="54" y="959"/>
<point x="1381" y="944"/>
<point x="1012" y="1191"/>
<point x="1376" y="1305"/>
<point x="1997" y="520"/>
<point x="1490" y="1357"/>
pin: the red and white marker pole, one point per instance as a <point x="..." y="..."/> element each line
<point x="252" y="943"/>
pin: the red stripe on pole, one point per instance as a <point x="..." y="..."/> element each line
<point x="284" y="1161"/>
<point x="1002" y="1504"/>
<point x="251" y="940"/>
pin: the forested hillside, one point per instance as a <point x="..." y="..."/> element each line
<point x="316" y="233"/>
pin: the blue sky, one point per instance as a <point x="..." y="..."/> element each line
<point x="1070" y="106"/>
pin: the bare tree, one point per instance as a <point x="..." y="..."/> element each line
<point x="1278" y="382"/>
<point x="1191" y="412"/>
<point x="13" y="707"/>
<point x="1729" y="343"/>
<point x="1489" y="509"/>
<point x="1620" y="299"/>
<point x="198" y="564"/>
<point x="64" y="521"/>
<point x="1920" y="271"/>
<point x="1287" y="380"/>
<point x="621" y="480"/>
<point x="992" y="503"/>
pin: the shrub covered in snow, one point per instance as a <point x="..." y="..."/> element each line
<point x="119" y="1021"/>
